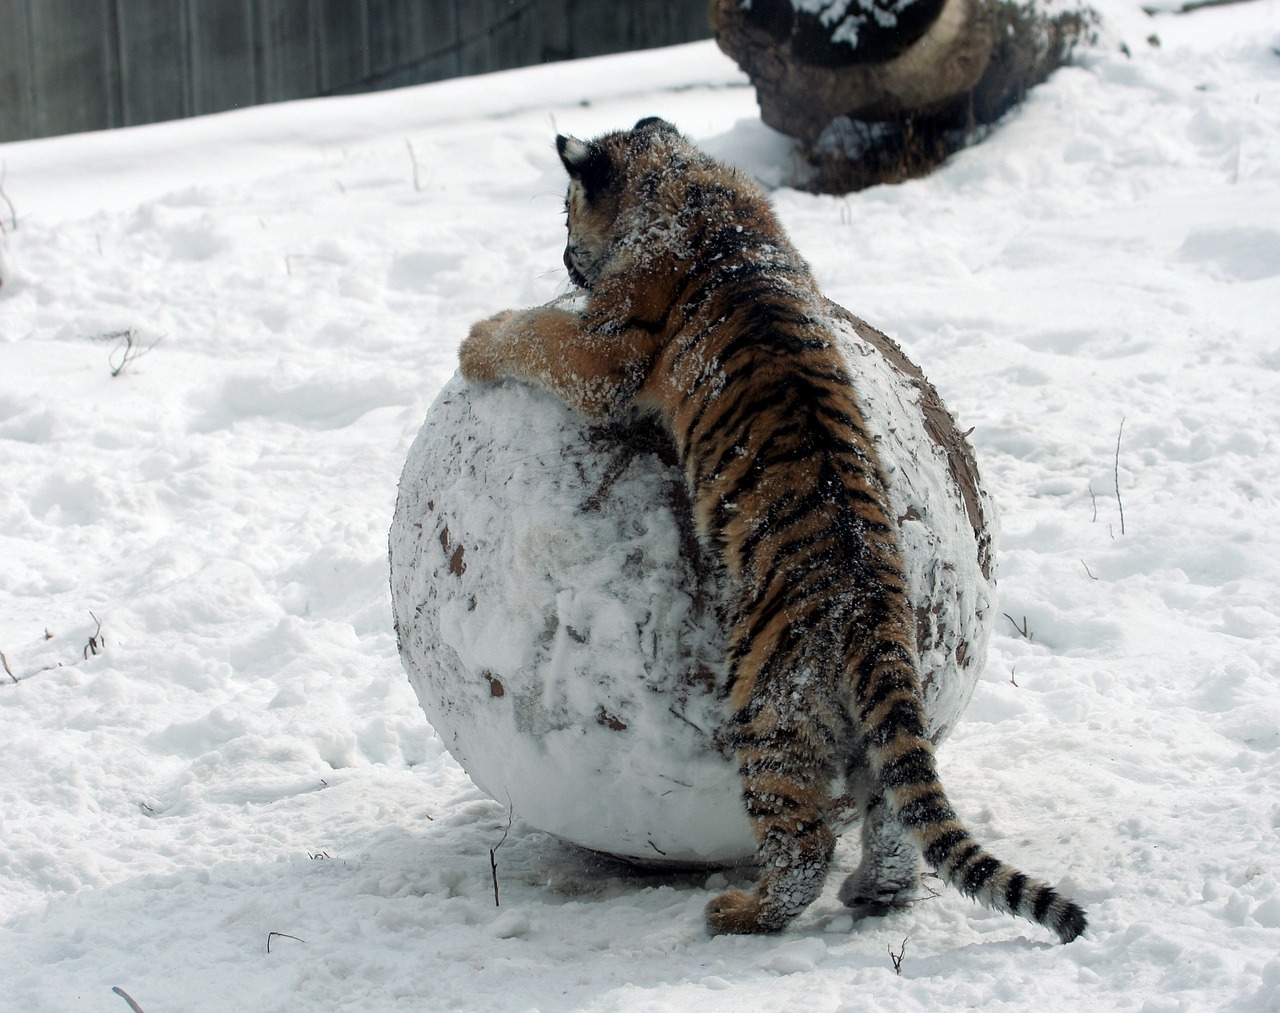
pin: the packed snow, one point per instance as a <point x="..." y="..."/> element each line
<point x="217" y="790"/>
<point x="561" y="626"/>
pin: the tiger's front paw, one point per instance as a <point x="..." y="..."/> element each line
<point x="480" y="355"/>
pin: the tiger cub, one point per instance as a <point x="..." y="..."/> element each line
<point x="700" y="312"/>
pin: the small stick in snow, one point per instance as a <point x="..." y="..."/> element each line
<point x="1094" y="499"/>
<point x="1187" y="8"/>
<point x="283" y="935"/>
<point x="1119" y="502"/>
<point x="131" y="345"/>
<point x="7" y="670"/>
<point x="127" y="998"/>
<point x="928" y="889"/>
<point x="897" y="957"/>
<point x="1021" y="629"/>
<point x="1087" y="570"/>
<point x="493" y="856"/>
<point x="96" y="642"/>
<point x="417" y="185"/>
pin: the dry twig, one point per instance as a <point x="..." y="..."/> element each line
<point x="417" y="182"/>
<point x="897" y="957"/>
<point x="128" y="348"/>
<point x="283" y="935"/>
<point x="1021" y="629"/>
<point x="96" y="642"/>
<point x="1187" y="8"/>
<point x="127" y="998"/>
<point x="493" y="855"/>
<point x="1119" y="502"/>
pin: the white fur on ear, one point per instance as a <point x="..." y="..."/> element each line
<point x="585" y="161"/>
<point x="573" y="152"/>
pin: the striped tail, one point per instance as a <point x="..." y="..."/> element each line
<point x="912" y="789"/>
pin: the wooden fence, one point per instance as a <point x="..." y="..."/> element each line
<point x="70" y="65"/>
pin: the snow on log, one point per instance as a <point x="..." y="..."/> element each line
<point x="881" y="90"/>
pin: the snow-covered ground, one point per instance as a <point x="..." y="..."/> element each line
<point x="225" y="797"/>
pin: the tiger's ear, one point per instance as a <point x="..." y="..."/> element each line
<point x="585" y="161"/>
<point x="655" y="123"/>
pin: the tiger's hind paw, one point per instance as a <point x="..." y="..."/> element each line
<point x="872" y="900"/>
<point x="736" y="912"/>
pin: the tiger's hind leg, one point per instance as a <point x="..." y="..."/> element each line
<point x="889" y="874"/>
<point x="786" y="790"/>
<point x="794" y="856"/>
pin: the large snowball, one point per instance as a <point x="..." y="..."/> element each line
<point x="560" y="624"/>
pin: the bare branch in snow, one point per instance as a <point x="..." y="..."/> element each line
<point x="493" y="855"/>
<point x="897" y="957"/>
<point x="96" y="641"/>
<point x="1021" y="629"/>
<point x="282" y="935"/>
<point x="417" y="182"/>
<point x="1119" y="502"/>
<point x="128" y="348"/>
<point x="127" y="998"/>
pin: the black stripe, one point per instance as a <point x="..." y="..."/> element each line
<point x="758" y="613"/>
<point x="884" y="650"/>
<point x="1071" y="923"/>
<point x="1013" y="892"/>
<point x="774" y="518"/>
<point x="927" y="810"/>
<point x="843" y="526"/>
<point x="798" y="437"/>
<point x="807" y="559"/>
<point x="916" y="766"/>
<point x="891" y="671"/>
<point x="938" y="851"/>
<point x="734" y="439"/>
<point x="741" y="281"/>
<point x="740" y="415"/>
<point x="767" y="330"/>
<point x="964" y="856"/>
<point x="870" y="670"/>
<point x="1044" y="900"/>
<point x="904" y="716"/>
<point x="978" y="874"/>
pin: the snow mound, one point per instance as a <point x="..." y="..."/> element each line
<point x="559" y="622"/>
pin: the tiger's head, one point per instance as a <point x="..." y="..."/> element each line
<point x="604" y="177"/>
